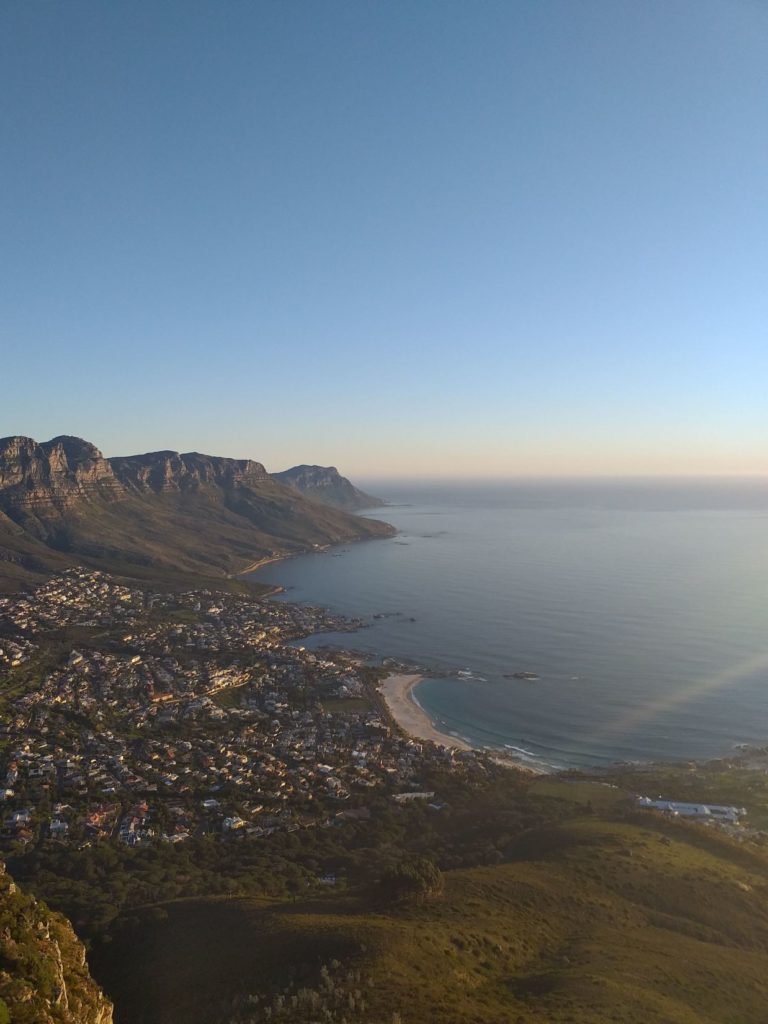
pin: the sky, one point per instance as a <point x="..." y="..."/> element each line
<point x="407" y="238"/>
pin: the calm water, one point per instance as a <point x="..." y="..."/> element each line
<point x="641" y="606"/>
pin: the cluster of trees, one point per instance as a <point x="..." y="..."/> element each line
<point x="410" y="881"/>
<point x="389" y="852"/>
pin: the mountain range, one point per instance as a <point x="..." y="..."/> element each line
<point x="162" y="516"/>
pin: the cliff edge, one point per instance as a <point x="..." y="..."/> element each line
<point x="44" y="977"/>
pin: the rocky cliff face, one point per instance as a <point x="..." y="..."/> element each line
<point x="55" y="475"/>
<point x="326" y="484"/>
<point x="61" y="473"/>
<point x="44" y="977"/>
<point x="170" y="471"/>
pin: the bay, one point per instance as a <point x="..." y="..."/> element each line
<point x="641" y="606"/>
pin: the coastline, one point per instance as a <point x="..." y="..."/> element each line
<point x="397" y="691"/>
<point x="595" y="752"/>
<point x="314" y="550"/>
<point x="253" y="566"/>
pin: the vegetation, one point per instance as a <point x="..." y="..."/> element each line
<point x="539" y="938"/>
<point x="410" y="881"/>
<point x="512" y="903"/>
<point x="44" y="978"/>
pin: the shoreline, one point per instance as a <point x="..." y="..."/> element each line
<point x="316" y="549"/>
<point x="253" y="566"/>
<point x="397" y="691"/>
<point x="397" y="688"/>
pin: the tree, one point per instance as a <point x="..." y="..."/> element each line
<point x="410" y="881"/>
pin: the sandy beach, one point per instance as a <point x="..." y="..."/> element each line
<point x="397" y="691"/>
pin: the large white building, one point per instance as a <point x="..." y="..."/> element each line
<point x="710" y="812"/>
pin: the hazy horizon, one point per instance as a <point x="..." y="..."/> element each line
<point x="363" y="474"/>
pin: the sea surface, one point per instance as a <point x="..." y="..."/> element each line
<point x="642" y="606"/>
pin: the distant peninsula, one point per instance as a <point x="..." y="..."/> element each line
<point x="327" y="485"/>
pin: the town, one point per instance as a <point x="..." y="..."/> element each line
<point x="139" y="717"/>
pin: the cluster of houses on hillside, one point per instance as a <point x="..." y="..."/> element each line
<point x="14" y="652"/>
<point x="76" y="597"/>
<point x="173" y="715"/>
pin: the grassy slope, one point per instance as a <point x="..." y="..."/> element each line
<point x="164" y="537"/>
<point x="716" y="782"/>
<point x="599" y="920"/>
<point x="25" y="560"/>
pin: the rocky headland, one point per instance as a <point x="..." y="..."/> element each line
<point x="327" y="485"/>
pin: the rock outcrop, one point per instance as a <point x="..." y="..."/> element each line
<point x="327" y="485"/>
<point x="58" y="474"/>
<point x="44" y="977"/>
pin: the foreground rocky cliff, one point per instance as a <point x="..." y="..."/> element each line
<point x="44" y="977"/>
<point x="160" y="516"/>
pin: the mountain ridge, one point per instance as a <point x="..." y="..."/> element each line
<point x="170" y="471"/>
<point x="158" y="516"/>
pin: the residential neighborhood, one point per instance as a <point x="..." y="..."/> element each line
<point x="139" y="717"/>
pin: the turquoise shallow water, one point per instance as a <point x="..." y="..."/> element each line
<point x="641" y="606"/>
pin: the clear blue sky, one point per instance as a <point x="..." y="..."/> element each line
<point x="404" y="237"/>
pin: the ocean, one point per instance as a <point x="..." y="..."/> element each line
<point x="640" y="605"/>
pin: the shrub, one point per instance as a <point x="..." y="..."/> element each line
<point x="410" y="881"/>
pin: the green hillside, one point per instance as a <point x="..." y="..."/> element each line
<point x="605" y="916"/>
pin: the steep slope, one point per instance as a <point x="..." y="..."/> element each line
<point x="24" y="559"/>
<point x="327" y="485"/>
<point x="44" y="977"/>
<point x="155" y="516"/>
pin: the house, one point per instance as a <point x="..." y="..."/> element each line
<point x="406" y="798"/>
<point x="233" y="824"/>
